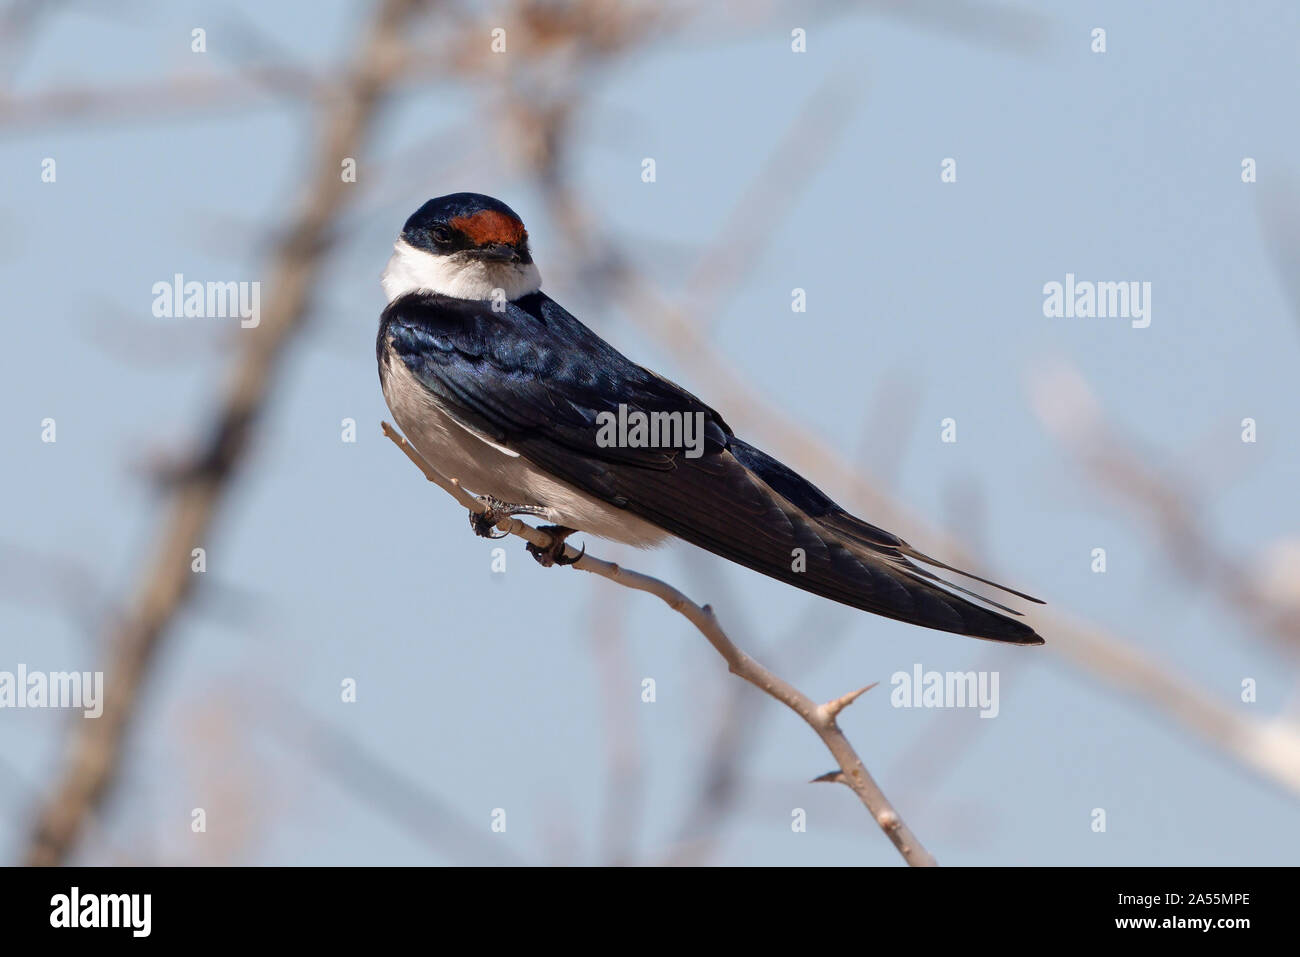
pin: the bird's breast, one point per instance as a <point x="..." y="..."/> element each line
<point x="487" y="468"/>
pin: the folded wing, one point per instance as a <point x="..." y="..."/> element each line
<point x="535" y="380"/>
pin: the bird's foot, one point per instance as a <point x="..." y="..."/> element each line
<point x="484" y="523"/>
<point x="553" y="554"/>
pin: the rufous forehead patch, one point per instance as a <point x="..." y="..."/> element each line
<point x="489" y="226"/>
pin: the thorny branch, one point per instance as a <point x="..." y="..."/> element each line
<point x="819" y="717"/>
<point x="1269" y="747"/>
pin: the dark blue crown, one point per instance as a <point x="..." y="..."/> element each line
<point x="442" y="209"/>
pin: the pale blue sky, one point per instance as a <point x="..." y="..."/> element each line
<point x="335" y="560"/>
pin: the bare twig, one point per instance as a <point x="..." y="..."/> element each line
<point x="820" y="717"/>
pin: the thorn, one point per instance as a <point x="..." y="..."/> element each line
<point x="831" y="777"/>
<point x="834" y="707"/>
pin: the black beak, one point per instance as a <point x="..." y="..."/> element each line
<point x="498" y="253"/>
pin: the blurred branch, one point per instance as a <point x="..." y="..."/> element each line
<point x="1278" y="205"/>
<point x="384" y="788"/>
<point x="737" y="732"/>
<point x="151" y="98"/>
<point x="458" y="51"/>
<point x="166" y="583"/>
<point x="807" y="143"/>
<point x="625" y="796"/>
<point x="821" y="718"/>
<point x="1067" y="407"/>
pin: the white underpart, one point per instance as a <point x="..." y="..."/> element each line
<point x="458" y="451"/>
<point x="410" y="269"/>
<point x="485" y="467"/>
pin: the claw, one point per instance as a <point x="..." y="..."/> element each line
<point x="485" y="523"/>
<point x="565" y="560"/>
<point x="553" y="554"/>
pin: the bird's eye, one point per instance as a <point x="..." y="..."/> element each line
<point x="440" y="233"/>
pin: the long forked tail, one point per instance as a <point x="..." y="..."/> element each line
<point x="743" y="505"/>
<point x="982" y="621"/>
<point x="847" y="560"/>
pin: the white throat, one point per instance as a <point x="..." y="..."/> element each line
<point x="411" y="269"/>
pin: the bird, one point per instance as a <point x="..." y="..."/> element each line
<point x="497" y="385"/>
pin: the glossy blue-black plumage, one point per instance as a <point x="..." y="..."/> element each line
<point x="533" y="369"/>
<point x="534" y="379"/>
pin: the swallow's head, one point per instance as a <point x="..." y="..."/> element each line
<point x="464" y="245"/>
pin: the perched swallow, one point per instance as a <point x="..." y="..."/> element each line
<point x="496" y="385"/>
